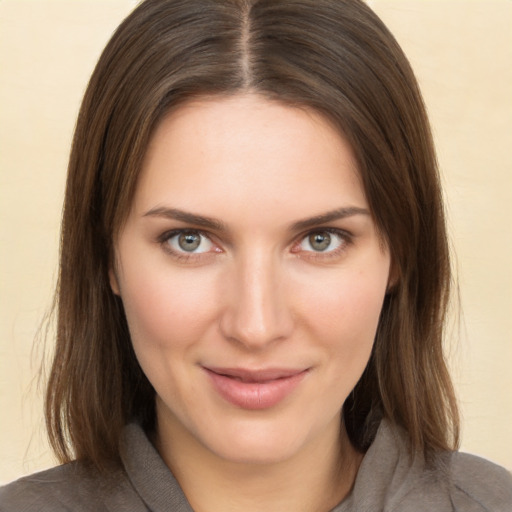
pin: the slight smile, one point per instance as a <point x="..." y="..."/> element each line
<point x="255" y="389"/>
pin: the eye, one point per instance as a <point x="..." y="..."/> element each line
<point x="189" y="242"/>
<point x="322" y="241"/>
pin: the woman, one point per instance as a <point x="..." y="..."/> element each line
<point x="254" y="275"/>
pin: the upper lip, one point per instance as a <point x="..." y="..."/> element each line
<point x="257" y="375"/>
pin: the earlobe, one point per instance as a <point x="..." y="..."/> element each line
<point x="393" y="278"/>
<point x="114" y="284"/>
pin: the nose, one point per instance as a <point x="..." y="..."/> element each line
<point x="257" y="311"/>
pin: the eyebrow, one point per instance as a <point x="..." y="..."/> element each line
<point x="214" y="224"/>
<point x="331" y="216"/>
<point x="187" y="217"/>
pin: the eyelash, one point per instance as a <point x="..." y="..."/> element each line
<point x="346" y="239"/>
<point x="166" y="237"/>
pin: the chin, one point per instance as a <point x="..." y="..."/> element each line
<point x="258" y="448"/>
<point x="268" y="439"/>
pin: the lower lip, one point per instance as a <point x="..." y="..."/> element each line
<point x="254" y="395"/>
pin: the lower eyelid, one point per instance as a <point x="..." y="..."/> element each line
<point x="344" y="240"/>
<point x="204" y="240"/>
<point x="164" y="240"/>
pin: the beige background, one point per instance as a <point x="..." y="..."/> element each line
<point x="462" y="53"/>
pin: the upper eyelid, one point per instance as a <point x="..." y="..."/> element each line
<point x="296" y="239"/>
<point x="177" y="231"/>
<point x="183" y="255"/>
<point x="346" y="242"/>
<point x="325" y="229"/>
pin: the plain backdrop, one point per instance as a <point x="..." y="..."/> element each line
<point x="461" y="51"/>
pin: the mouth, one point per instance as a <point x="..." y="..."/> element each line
<point x="255" y="389"/>
<point x="256" y="376"/>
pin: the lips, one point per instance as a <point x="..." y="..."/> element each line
<point x="255" y="389"/>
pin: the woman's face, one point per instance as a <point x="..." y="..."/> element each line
<point x="252" y="276"/>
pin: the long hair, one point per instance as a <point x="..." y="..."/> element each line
<point x="334" y="56"/>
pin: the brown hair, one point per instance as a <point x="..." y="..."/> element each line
<point x="334" y="56"/>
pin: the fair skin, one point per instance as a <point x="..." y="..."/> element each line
<point x="252" y="276"/>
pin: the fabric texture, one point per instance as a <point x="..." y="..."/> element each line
<point x="388" y="481"/>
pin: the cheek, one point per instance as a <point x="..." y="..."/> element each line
<point x="167" y="313"/>
<point x="344" y="314"/>
<point x="165" y="309"/>
<point x="350" y="301"/>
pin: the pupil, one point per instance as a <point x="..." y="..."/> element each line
<point x="320" y="241"/>
<point x="189" y="241"/>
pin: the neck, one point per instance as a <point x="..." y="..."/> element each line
<point x="315" y="480"/>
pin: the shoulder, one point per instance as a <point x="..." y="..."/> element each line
<point x="459" y="482"/>
<point x="487" y="486"/>
<point x="390" y="478"/>
<point x="71" y="486"/>
<point x="47" y="490"/>
<point x="57" y="489"/>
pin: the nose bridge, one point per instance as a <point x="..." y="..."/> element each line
<point x="258" y="312"/>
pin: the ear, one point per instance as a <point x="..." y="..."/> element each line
<point x="114" y="283"/>
<point x="393" y="278"/>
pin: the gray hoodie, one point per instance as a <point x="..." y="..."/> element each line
<point x="387" y="481"/>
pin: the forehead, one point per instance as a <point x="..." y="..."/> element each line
<point x="246" y="152"/>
